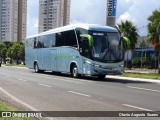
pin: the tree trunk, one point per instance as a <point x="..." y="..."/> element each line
<point x="11" y="61"/>
<point x="4" y="60"/>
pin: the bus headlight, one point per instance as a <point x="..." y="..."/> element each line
<point x="121" y="66"/>
<point x="88" y="62"/>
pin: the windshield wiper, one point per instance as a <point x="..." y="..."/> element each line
<point x="111" y="52"/>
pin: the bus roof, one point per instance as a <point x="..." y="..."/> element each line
<point x="73" y="26"/>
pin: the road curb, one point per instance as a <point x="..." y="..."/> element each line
<point x="15" y="67"/>
<point x="133" y="79"/>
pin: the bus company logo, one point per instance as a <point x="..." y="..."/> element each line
<point x="6" y="114"/>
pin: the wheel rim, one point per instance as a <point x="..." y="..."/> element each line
<point x="75" y="72"/>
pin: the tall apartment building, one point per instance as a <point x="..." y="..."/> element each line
<point x="53" y="14"/>
<point x="13" y="17"/>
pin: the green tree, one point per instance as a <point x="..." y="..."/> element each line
<point x="154" y="32"/>
<point x="3" y="51"/>
<point x="127" y="29"/>
<point x="130" y="37"/>
<point x="10" y="54"/>
<point x="16" y="47"/>
<point x="8" y="44"/>
<point x="22" y="52"/>
<point x="4" y="54"/>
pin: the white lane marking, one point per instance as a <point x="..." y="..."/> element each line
<point x="70" y="81"/>
<point x="18" y="100"/>
<point x="44" y="85"/>
<point x="22" y="80"/>
<point x="7" y="76"/>
<point x="143" y="89"/>
<point x="131" y="106"/>
<point x="80" y="80"/>
<point x="58" y="79"/>
<point x="79" y="94"/>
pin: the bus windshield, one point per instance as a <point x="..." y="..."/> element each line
<point x="107" y="47"/>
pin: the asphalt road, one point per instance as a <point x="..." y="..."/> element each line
<point x="49" y="92"/>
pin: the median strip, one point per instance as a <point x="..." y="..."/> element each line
<point x="143" y="89"/>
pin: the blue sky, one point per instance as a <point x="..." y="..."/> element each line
<point x="94" y="11"/>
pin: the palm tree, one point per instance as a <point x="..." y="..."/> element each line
<point x="127" y="29"/>
<point x="154" y="32"/>
<point x="130" y="37"/>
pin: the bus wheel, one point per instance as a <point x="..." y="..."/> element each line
<point x="74" y="72"/>
<point x="36" y="68"/>
<point x="101" y="77"/>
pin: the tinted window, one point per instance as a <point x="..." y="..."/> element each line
<point x="35" y="42"/>
<point x="80" y="31"/>
<point x="39" y="43"/>
<point x="47" y="41"/>
<point x="52" y="39"/>
<point x="70" y="39"/>
<point x="29" y="43"/>
<point x="60" y="38"/>
<point x="67" y="38"/>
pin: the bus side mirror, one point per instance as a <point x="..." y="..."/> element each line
<point x="87" y="39"/>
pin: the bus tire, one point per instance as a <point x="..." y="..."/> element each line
<point x="101" y="77"/>
<point x="36" y="68"/>
<point x="74" y="72"/>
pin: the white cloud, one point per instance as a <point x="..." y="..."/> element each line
<point x="124" y="17"/>
<point x="88" y="11"/>
<point x="32" y="17"/>
<point x="137" y="11"/>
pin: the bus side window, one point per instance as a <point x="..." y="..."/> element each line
<point x="39" y="43"/>
<point x="35" y="42"/>
<point x="59" y="39"/>
<point x="78" y="32"/>
<point x="70" y="39"/>
<point x="41" y="40"/>
<point x="51" y="40"/>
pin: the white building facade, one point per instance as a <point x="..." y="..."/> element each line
<point x="53" y="14"/>
<point x="13" y="14"/>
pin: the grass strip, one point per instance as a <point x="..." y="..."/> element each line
<point x="142" y="75"/>
<point x="4" y="107"/>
